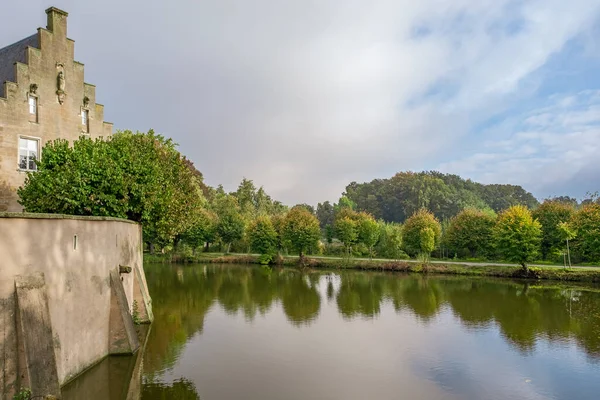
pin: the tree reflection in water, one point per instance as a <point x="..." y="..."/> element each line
<point x="524" y="313"/>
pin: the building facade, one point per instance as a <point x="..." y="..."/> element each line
<point x="43" y="97"/>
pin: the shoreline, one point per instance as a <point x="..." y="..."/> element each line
<point x="552" y="273"/>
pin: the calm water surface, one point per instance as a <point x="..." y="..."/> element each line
<point x="238" y="332"/>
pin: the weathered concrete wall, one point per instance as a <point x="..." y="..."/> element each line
<point x="75" y="257"/>
<point x="56" y="118"/>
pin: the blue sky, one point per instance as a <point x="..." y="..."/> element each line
<point x="304" y="97"/>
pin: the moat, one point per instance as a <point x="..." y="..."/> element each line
<point x="233" y="332"/>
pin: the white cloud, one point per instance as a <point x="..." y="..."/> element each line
<point x="306" y="96"/>
<point x="554" y="148"/>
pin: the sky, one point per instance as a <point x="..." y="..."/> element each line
<point x="304" y="97"/>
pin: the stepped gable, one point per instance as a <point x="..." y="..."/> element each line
<point x="14" y="53"/>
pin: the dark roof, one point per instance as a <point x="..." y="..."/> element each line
<point x="9" y="55"/>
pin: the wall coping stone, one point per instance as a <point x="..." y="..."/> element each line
<point x="26" y="215"/>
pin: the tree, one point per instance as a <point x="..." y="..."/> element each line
<point x="518" y="235"/>
<point x="550" y="214"/>
<point x="567" y="233"/>
<point x="471" y="230"/>
<point x="263" y="238"/>
<point x="245" y="195"/>
<point x="230" y="224"/>
<point x="203" y="232"/>
<point x="301" y="230"/>
<point x="325" y="213"/>
<point x="390" y="240"/>
<point x="412" y="231"/>
<point x="368" y="231"/>
<point x="445" y="195"/>
<point x="138" y="176"/>
<point x="427" y="242"/>
<point x="586" y="221"/>
<point x="346" y="230"/>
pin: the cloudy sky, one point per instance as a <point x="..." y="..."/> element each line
<point x="304" y="97"/>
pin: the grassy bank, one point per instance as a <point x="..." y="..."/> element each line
<point x="576" y="274"/>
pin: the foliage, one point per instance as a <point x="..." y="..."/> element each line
<point x="346" y="230"/>
<point x="368" y="231"/>
<point x="301" y="230"/>
<point x="138" y="176"/>
<point x="518" y="235"/>
<point x="550" y="214"/>
<point x="471" y="230"/>
<point x="567" y="233"/>
<point x="263" y="238"/>
<point x="230" y="225"/>
<point x="325" y="213"/>
<point x="427" y="242"/>
<point x="586" y="221"/>
<point x="412" y="231"/>
<point x="23" y="394"/>
<point x="390" y="241"/>
<point x="203" y="231"/>
<point x="255" y="202"/>
<point x="445" y="195"/>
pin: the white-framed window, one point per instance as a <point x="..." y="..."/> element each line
<point x="28" y="153"/>
<point x="32" y="105"/>
<point x="85" y="117"/>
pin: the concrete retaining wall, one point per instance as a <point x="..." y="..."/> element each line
<point x="67" y="262"/>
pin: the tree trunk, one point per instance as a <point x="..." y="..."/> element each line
<point x="568" y="253"/>
<point x="151" y="247"/>
<point x="524" y="265"/>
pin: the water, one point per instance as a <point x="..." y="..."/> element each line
<point x="239" y="332"/>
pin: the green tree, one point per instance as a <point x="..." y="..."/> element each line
<point x="445" y="195"/>
<point x="412" y="231"/>
<point x="301" y="230"/>
<point x="390" y="240"/>
<point x="204" y="231"/>
<point x="230" y="224"/>
<point x="567" y="233"/>
<point x="263" y="238"/>
<point x="586" y="221"/>
<point x="518" y="235"/>
<point x="346" y="230"/>
<point x="138" y="176"/>
<point x="325" y="213"/>
<point x="471" y="230"/>
<point x="427" y="242"/>
<point x="550" y="214"/>
<point x="368" y="231"/>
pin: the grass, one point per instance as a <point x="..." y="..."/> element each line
<point x="556" y="273"/>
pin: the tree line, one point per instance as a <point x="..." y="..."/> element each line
<point x="142" y="177"/>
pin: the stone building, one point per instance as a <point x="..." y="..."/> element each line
<point x="43" y="96"/>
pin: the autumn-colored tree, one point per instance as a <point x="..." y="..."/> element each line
<point x="518" y="235"/>
<point x="413" y="228"/>
<point x="471" y="230"/>
<point x="301" y="230"/>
